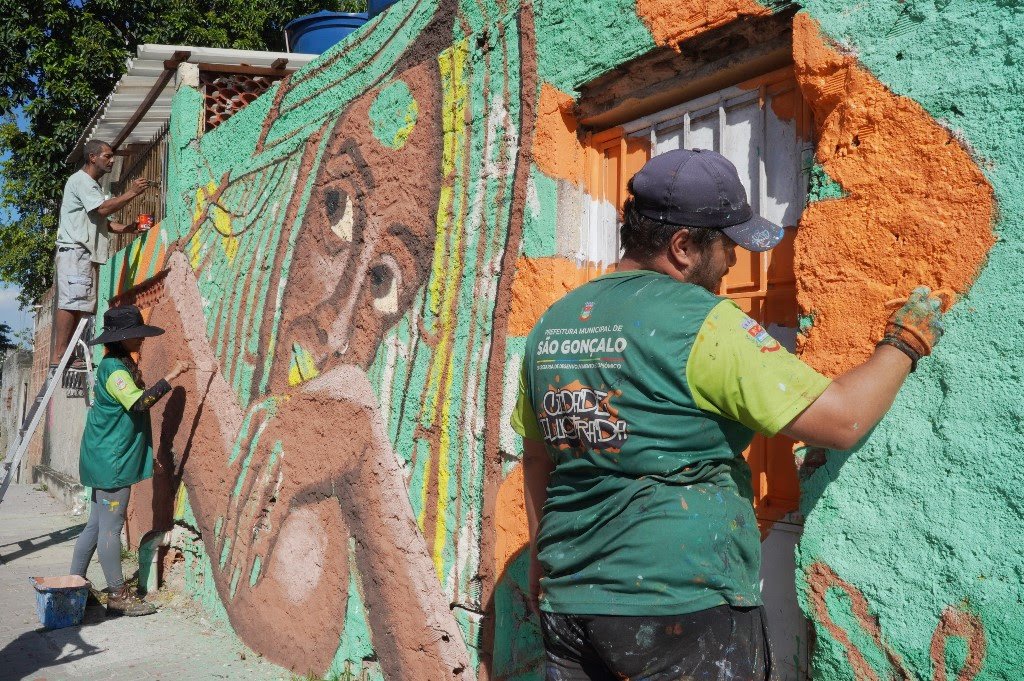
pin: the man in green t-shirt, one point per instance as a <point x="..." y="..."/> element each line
<point x="638" y="394"/>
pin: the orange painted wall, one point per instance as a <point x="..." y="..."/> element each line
<point x="672" y="21"/>
<point x="918" y="210"/>
<point x="556" y="146"/>
<point x="538" y="283"/>
<point x="510" y="520"/>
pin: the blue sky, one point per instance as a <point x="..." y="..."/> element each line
<point x="9" y="312"/>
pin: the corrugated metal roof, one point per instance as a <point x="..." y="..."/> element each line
<point x="145" y="70"/>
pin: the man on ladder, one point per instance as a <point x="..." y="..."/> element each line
<point x="82" y="243"/>
<point x="82" y="246"/>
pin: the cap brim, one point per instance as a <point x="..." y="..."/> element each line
<point x="141" y="331"/>
<point x="756" y="234"/>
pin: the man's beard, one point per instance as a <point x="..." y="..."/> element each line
<point x="703" y="274"/>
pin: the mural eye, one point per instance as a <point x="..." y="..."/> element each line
<point x="385" y="279"/>
<point x="339" y="212"/>
<point x="380" y="276"/>
<point x="334" y="200"/>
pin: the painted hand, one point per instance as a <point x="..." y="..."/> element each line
<point x="917" y="326"/>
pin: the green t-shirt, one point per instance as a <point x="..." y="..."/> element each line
<point x="117" y="448"/>
<point x="646" y="391"/>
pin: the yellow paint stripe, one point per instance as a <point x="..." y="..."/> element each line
<point x="230" y="245"/>
<point x="197" y="214"/>
<point x="443" y="481"/>
<point x="421" y="519"/>
<point x="452" y="66"/>
<point x="179" y="502"/>
<point x="441" y="370"/>
<point x="445" y="62"/>
<point x="446" y="276"/>
<point x="134" y="259"/>
<point x="303" y="368"/>
<point x="195" y="251"/>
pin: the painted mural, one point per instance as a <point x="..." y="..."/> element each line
<point x="352" y="263"/>
<point x="337" y="287"/>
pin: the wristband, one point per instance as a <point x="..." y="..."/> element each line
<point x="903" y="347"/>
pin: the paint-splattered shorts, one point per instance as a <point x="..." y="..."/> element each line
<point x="719" y="644"/>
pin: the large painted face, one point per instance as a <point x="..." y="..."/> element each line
<point x="367" y="238"/>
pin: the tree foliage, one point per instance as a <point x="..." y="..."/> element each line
<point x="61" y="60"/>
<point x="6" y="339"/>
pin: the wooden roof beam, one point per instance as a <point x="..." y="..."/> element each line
<point x="161" y="82"/>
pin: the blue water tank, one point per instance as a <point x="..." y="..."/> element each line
<point x="375" y="7"/>
<point x="317" y="33"/>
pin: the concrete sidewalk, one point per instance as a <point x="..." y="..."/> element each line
<point x="178" y="643"/>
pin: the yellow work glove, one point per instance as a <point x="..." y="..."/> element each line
<point x="916" y="327"/>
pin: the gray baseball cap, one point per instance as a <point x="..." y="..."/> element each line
<point x="700" y="188"/>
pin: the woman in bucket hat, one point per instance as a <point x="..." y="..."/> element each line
<point x="117" y="450"/>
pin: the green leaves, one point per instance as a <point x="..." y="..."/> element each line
<point x="6" y="339"/>
<point x="61" y="60"/>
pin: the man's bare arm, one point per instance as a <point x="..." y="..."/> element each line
<point x="854" y="403"/>
<point x="116" y="203"/>
<point x="537" y="467"/>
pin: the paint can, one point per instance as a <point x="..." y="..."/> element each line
<point x="60" y="601"/>
<point x="145" y="222"/>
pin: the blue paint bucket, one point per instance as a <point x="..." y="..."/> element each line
<point x="60" y="601"/>
<point x="375" y="7"/>
<point x="317" y="33"/>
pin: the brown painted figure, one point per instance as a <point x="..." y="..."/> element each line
<point x="282" y="522"/>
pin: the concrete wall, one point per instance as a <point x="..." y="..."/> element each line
<point x="52" y="456"/>
<point x="62" y="426"/>
<point x="15" y="398"/>
<point x="41" y="338"/>
<point x="355" y="258"/>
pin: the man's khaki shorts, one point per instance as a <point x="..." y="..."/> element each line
<point x="76" y="279"/>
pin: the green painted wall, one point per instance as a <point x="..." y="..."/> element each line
<point x="925" y="513"/>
